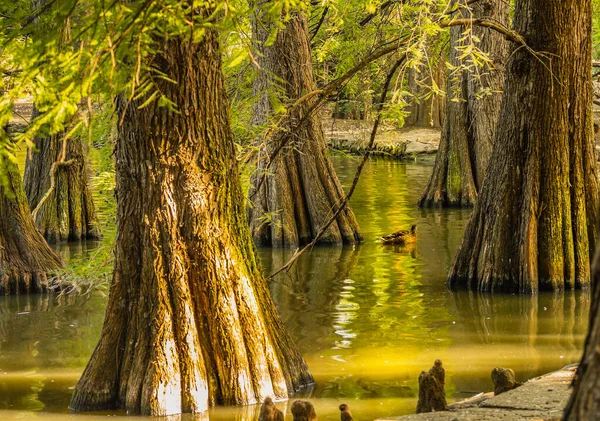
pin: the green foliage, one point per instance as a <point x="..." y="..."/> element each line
<point x="66" y="52"/>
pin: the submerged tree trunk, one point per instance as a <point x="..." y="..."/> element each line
<point x="293" y="199"/>
<point x="25" y="258"/>
<point x="56" y="176"/>
<point x="189" y="321"/>
<point x="584" y="403"/>
<point x="535" y="221"/>
<point x="472" y="110"/>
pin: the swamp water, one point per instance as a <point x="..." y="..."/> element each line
<point x="368" y="319"/>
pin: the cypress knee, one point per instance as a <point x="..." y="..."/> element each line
<point x="269" y="412"/>
<point x="345" y="414"/>
<point x="504" y="380"/>
<point x="303" y="411"/>
<point x="432" y="393"/>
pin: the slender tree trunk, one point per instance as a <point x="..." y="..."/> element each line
<point x="535" y="221"/>
<point x="189" y="321"/>
<point x="295" y="197"/>
<point x="67" y="210"/>
<point x="472" y="110"/>
<point x="585" y="400"/>
<point x="25" y="258"/>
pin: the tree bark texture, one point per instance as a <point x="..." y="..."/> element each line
<point x="534" y="224"/>
<point x="293" y="199"/>
<point x="25" y="258"/>
<point x="189" y="321"/>
<point x="584" y="403"/>
<point x="472" y="109"/>
<point x="67" y="213"/>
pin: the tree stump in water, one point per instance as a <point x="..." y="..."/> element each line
<point x="269" y="412"/>
<point x="504" y="380"/>
<point x="432" y="393"/>
<point x="303" y="411"/>
<point x="345" y="415"/>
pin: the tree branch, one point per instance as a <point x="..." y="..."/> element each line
<point x="487" y="23"/>
<point x="316" y="30"/>
<point x="359" y="169"/>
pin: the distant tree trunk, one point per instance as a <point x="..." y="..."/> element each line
<point x="535" y="221"/>
<point x="584" y="403"/>
<point x="426" y="110"/>
<point x="189" y="322"/>
<point x="68" y="212"/>
<point x="25" y="258"/>
<point x="472" y="110"/>
<point x="294" y="198"/>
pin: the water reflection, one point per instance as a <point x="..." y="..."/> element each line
<point x="367" y="318"/>
<point x="531" y="334"/>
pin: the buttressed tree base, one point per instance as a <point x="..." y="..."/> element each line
<point x="189" y="321"/>
<point x="295" y="196"/>
<point x="534" y="225"/>
<point x="57" y="188"/>
<point x="25" y="258"/>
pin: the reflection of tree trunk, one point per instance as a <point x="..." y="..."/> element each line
<point x="472" y="111"/>
<point x="535" y="221"/>
<point x="537" y="323"/>
<point x="25" y="258"/>
<point x="307" y="295"/>
<point x="487" y="315"/>
<point x="300" y="191"/>
<point x="189" y="321"/>
<point x="67" y="213"/>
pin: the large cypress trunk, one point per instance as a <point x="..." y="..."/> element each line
<point x="56" y="184"/>
<point x="294" y="198"/>
<point x="189" y="321"/>
<point x="472" y="110"/>
<point x="535" y="221"/>
<point x="25" y="258"/>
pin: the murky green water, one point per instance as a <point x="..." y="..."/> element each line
<point x="368" y="319"/>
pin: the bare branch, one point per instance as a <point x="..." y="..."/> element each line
<point x="359" y="169"/>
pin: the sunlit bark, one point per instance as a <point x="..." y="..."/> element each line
<point x="189" y="322"/>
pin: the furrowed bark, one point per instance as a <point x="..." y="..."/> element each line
<point x="535" y="221"/>
<point x="297" y="194"/>
<point x="57" y="188"/>
<point x="25" y="258"/>
<point x="472" y="110"/>
<point x="189" y="322"/>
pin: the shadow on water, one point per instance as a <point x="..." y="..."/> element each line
<point x="367" y="318"/>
